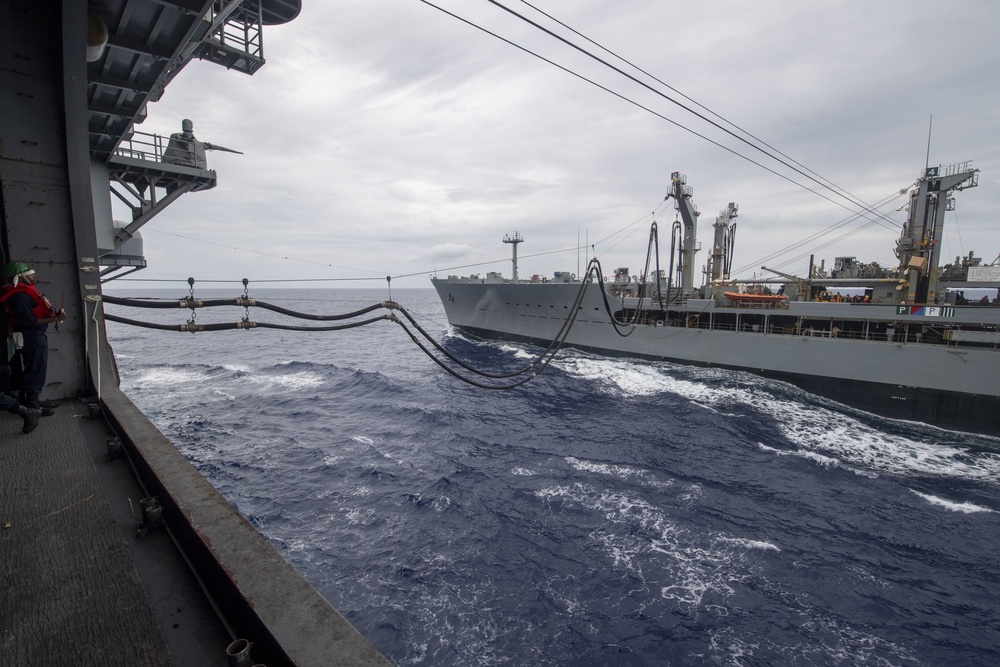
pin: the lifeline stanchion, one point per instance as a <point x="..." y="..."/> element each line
<point x="246" y="300"/>
<point x="191" y="301"/>
<point x="238" y="653"/>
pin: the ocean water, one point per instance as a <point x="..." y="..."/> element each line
<point x="610" y="512"/>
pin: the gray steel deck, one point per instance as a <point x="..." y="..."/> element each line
<point x="79" y="585"/>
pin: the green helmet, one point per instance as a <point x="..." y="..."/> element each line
<point x="15" y="269"/>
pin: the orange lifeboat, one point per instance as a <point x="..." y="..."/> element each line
<point x="746" y="297"/>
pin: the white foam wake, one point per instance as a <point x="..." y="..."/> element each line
<point x="966" y="508"/>
<point x="643" y="540"/>
<point x="828" y="434"/>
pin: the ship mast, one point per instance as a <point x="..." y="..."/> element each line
<point x="514" y="240"/>
<point x="682" y="193"/>
<point x="918" y="247"/>
<point x="722" y="246"/>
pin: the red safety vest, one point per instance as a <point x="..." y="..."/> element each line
<point x="40" y="306"/>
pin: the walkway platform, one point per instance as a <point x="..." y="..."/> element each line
<point x="81" y="586"/>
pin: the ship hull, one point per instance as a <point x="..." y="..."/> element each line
<point x="893" y="376"/>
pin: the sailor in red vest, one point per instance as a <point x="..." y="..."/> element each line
<point x="30" y="313"/>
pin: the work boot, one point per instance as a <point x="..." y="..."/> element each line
<point x="30" y="416"/>
<point x="46" y="407"/>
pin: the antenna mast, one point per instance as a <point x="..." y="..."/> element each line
<point x="514" y="240"/>
<point x="927" y="160"/>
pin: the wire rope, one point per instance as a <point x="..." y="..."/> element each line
<point x="837" y="191"/>
<point x="686" y="97"/>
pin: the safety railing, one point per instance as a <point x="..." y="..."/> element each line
<point x="143" y="146"/>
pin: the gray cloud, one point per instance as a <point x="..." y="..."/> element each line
<point x="384" y="138"/>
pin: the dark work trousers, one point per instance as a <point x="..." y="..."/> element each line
<point x="35" y="355"/>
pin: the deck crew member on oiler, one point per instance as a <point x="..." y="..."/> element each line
<point x="30" y="313"/>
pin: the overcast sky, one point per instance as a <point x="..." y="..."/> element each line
<point x="384" y="137"/>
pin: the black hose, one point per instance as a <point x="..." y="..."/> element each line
<point x="530" y="371"/>
<point x="244" y="302"/>
<point x="470" y="381"/>
<point x="194" y="327"/>
<point x="553" y="348"/>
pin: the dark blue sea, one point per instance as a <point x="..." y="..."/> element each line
<point x="609" y="512"/>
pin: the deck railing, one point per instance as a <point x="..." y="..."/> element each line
<point x="899" y="336"/>
<point x="143" y="146"/>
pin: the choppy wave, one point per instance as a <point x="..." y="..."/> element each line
<point x="639" y="537"/>
<point x="965" y="507"/>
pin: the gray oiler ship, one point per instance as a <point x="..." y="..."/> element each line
<point x="909" y="346"/>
